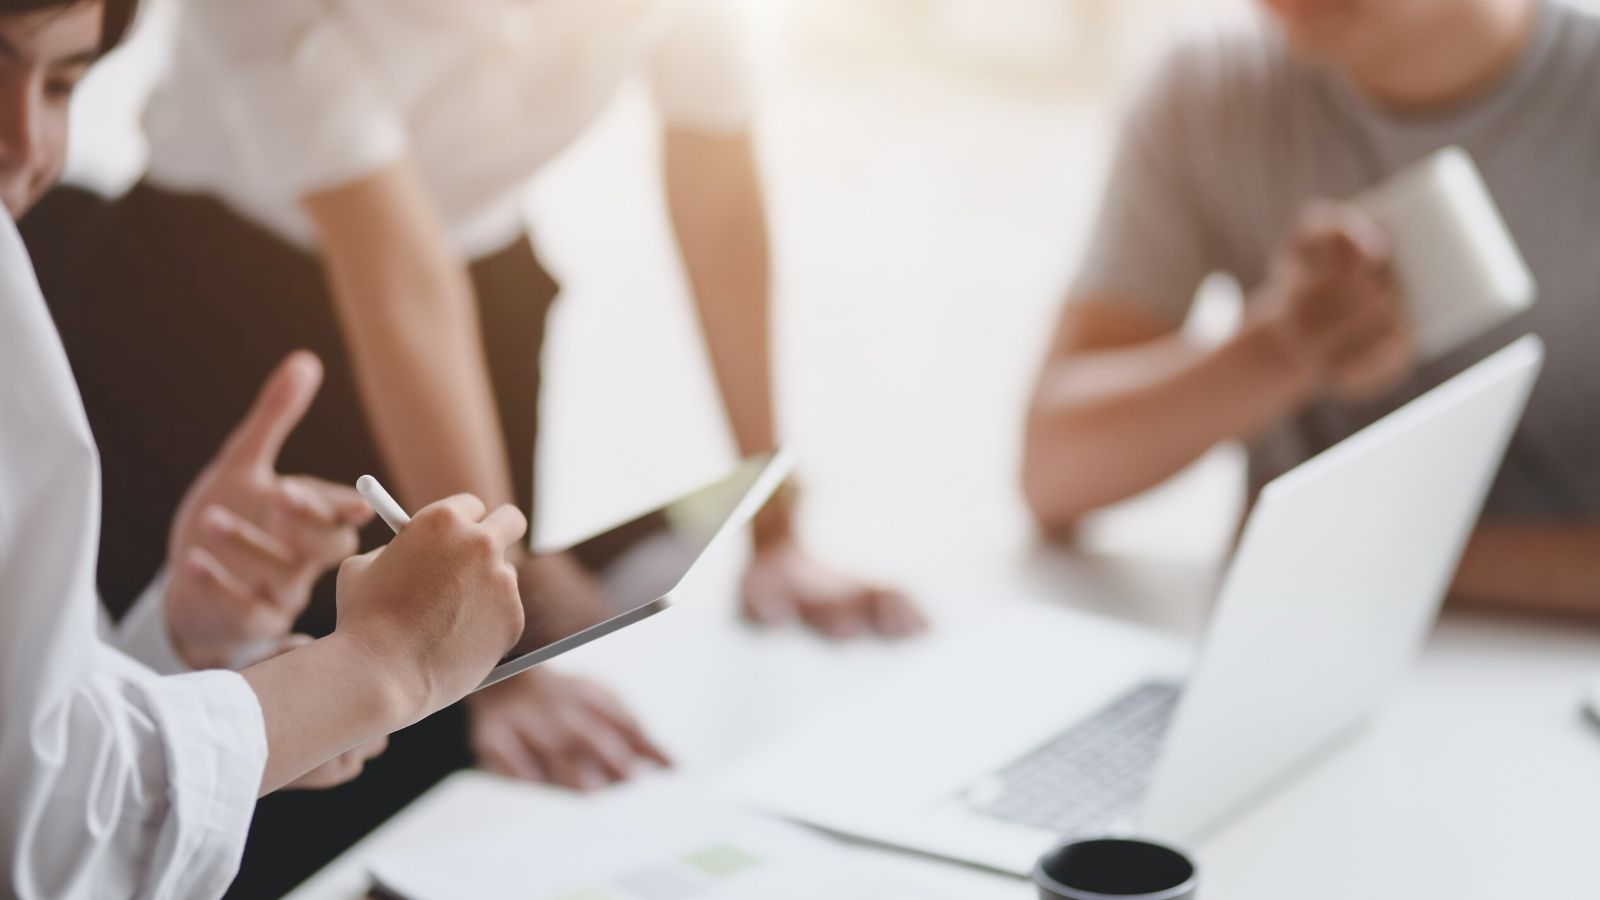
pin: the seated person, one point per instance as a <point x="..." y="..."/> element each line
<point x="118" y="781"/>
<point x="1233" y="162"/>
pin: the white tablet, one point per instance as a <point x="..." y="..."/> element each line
<point x="634" y="570"/>
<point x="1459" y="268"/>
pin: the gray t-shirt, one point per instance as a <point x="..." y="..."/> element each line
<point x="1234" y="134"/>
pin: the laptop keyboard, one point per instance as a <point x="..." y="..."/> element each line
<point x="1090" y="776"/>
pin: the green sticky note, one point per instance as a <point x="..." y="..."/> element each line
<point x="722" y="860"/>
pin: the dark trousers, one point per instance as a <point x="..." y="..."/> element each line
<point x="173" y="310"/>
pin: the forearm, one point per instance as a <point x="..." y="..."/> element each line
<point x="325" y="698"/>
<point x="1532" y="567"/>
<point x="409" y="316"/>
<point x="423" y="382"/>
<point x="718" y="214"/>
<point x="1106" y="424"/>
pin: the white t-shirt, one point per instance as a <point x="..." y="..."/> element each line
<point x="268" y="100"/>
<point x="114" y="781"/>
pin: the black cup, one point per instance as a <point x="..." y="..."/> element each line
<point x="1107" y="868"/>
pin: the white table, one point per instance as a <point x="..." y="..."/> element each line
<point x="1480" y="778"/>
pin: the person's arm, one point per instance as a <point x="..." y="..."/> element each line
<point x="111" y="774"/>
<point x="705" y="84"/>
<point x="405" y="302"/>
<point x="316" y="123"/>
<point x="1532" y="567"/>
<point x="89" y="793"/>
<point x="421" y="622"/>
<point x="718" y="215"/>
<point x="307" y="724"/>
<point x="246" y="545"/>
<point x="409" y="317"/>
<point x="1124" y="401"/>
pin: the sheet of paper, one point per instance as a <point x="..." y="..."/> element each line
<point x="657" y="841"/>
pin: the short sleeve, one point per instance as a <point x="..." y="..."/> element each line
<point x="1150" y="243"/>
<point x="299" y="88"/>
<point x="704" y="73"/>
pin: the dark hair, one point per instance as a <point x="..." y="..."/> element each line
<point x="118" y="16"/>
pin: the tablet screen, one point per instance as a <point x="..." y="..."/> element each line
<point x="628" y="568"/>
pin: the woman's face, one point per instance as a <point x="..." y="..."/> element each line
<point x="43" y="56"/>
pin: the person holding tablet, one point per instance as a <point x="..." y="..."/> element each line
<point x="348" y="177"/>
<point x="118" y="781"/>
<point x="1233" y="161"/>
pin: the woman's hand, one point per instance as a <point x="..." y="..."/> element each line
<point x="421" y="621"/>
<point x="247" y="544"/>
<point x="439" y="604"/>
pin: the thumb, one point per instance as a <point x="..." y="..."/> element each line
<point x="278" y="408"/>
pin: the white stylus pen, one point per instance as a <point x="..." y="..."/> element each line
<point x="383" y="504"/>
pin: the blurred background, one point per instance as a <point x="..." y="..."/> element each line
<point x="931" y="167"/>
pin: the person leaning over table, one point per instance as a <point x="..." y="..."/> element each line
<point x="116" y="781"/>
<point x="1227" y="163"/>
<point x="348" y="176"/>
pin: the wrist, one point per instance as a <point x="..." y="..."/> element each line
<point x="774" y="523"/>
<point x="1276" y="360"/>
<point x="395" y="687"/>
<point x="193" y="650"/>
<point x="322" y="699"/>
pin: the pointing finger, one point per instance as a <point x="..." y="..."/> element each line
<point x="283" y="400"/>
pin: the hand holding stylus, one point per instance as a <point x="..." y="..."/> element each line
<point x="439" y="604"/>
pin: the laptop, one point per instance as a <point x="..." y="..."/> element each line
<point x="996" y="745"/>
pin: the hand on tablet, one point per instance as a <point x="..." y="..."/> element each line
<point x="247" y="544"/>
<point x="438" y="606"/>
<point x="1331" y="297"/>
<point x="786" y="583"/>
<point x="544" y="727"/>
